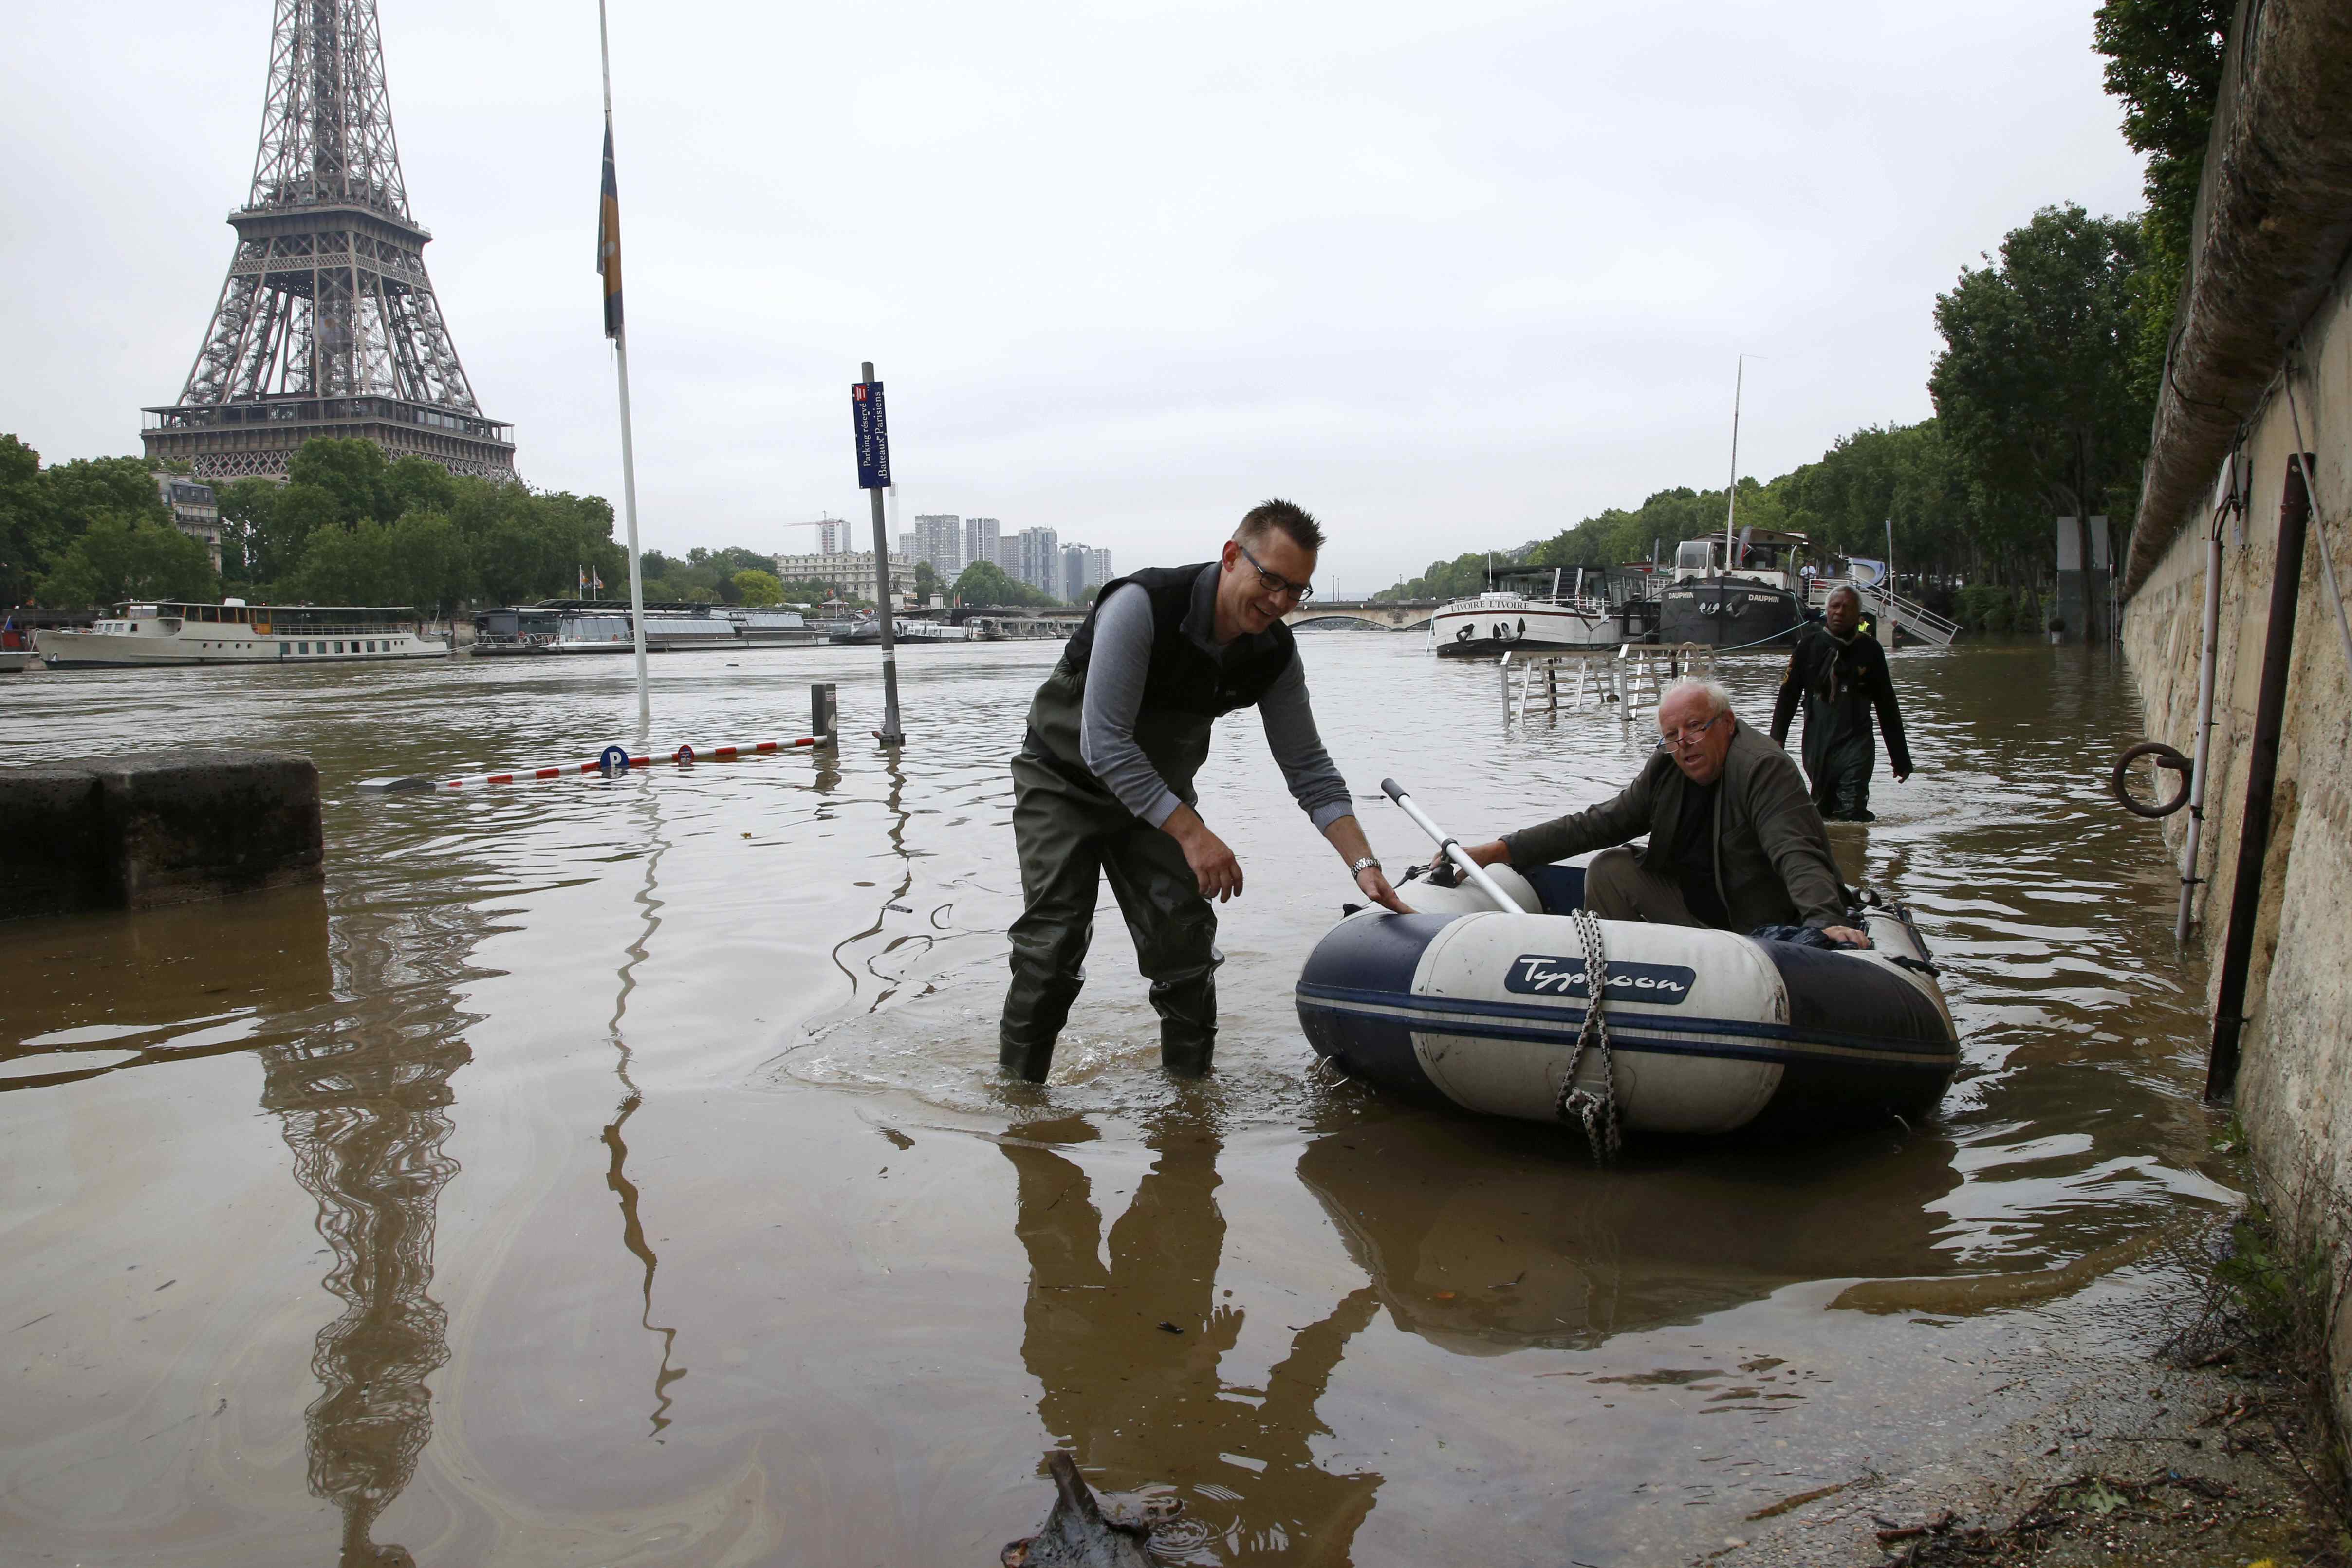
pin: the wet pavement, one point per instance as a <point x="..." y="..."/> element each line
<point x="616" y="1171"/>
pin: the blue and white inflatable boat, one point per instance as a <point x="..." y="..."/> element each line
<point x="1711" y="1032"/>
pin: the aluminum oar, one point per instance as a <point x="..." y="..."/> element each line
<point x="1452" y="846"/>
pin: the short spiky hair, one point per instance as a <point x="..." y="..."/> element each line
<point x="1290" y="517"/>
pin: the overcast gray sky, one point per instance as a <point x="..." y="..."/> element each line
<point x="1450" y="276"/>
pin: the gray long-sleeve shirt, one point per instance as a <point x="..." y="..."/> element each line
<point x="1115" y="676"/>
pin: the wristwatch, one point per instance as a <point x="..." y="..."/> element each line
<point x="1356" y="867"/>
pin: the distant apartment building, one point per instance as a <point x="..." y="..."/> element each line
<point x="832" y="536"/>
<point x="1084" y="568"/>
<point x="980" y="536"/>
<point x="848" y="573"/>
<point x="196" y="512"/>
<point x="1008" y="556"/>
<point x="1041" y="560"/>
<point x="938" y="540"/>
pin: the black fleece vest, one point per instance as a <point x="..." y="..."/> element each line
<point x="1182" y="676"/>
<point x="1186" y="689"/>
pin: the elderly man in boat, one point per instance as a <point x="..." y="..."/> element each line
<point x="1735" y="840"/>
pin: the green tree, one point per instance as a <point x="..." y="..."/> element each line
<point x="759" y="588"/>
<point x="926" y="581"/>
<point x="414" y="484"/>
<point x="812" y="592"/>
<point x="119" y="558"/>
<point x="300" y="510"/>
<point x="28" y="536"/>
<point x="2035" y="388"/>
<point x="87" y="488"/>
<point x="349" y="566"/>
<point x="433" y="568"/>
<point x="250" y="548"/>
<point x="2164" y="61"/>
<point x="350" y="472"/>
<point x="984" y="583"/>
<point x="1908" y="475"/>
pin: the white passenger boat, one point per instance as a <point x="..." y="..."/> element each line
<point x="180" y="631"/>
<point x="1711" y="1032"/>
<point x="1601" y="608"/>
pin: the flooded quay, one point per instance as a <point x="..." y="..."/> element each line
<point x="606" y="1172"/>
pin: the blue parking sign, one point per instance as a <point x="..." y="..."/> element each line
<point x="873" y="435"/>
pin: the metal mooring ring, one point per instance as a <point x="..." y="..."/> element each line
<point x="2166" y="756"/>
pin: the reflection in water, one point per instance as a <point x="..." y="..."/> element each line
<point x="1485" y="1238"/>
<point x="366" y="1116"/>
<point x="1132" y="1356"/>
<point x="633" y="1231"/>
<point x="899" y="814"/>
<point x="364" y="1103"/>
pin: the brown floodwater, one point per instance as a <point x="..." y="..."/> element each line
<point x="616" y="1171"/>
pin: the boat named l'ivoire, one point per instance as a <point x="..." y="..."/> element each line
<point x="177" y="631"/>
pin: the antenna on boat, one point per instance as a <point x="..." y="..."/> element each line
<point x="1731" y="491"/>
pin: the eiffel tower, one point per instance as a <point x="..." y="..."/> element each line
<point x="327" y="324"/>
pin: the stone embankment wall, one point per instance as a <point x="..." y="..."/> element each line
<point x="2263" y="334"/>
<point x="132" y="833"/>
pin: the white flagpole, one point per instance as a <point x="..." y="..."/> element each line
<point x="629" y="453"/>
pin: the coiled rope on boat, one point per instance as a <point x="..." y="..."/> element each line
<point x="1595" y="1110"/>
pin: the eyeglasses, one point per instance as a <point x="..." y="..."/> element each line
<point x="1302" y="592"/>
<point x="1689" y="733"/>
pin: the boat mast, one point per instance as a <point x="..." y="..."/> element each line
<point x="1731" y="493"/>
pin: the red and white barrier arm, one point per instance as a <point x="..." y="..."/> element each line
<point x="683" y="756"/>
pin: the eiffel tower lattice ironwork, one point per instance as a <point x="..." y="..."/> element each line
<point x="327" y="324"/>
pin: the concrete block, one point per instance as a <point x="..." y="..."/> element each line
<point x="132" y="832"/>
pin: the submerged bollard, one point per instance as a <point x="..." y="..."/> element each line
<point x="824" y="714"/>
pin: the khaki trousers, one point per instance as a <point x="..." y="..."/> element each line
<point x="1617" y="886"/>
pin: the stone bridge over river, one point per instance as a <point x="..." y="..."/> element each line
<point x="1394" y="615"/>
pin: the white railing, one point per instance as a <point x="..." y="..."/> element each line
<point x="1907" y="614"/>
<point x="1628" y="676"/>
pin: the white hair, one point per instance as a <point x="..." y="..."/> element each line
<point x="1719" y="698"/>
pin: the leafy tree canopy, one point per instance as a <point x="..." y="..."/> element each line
<point x="119" y="558"/>
<point x="984" y="583"/>
<point x="758" y="587"/>
<point x="2164" y="62"/>
<point x="2035" y="388"/>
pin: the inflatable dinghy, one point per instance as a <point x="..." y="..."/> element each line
<point x="1708" y="1031"/>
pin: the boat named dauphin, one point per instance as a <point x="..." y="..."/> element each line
<point x="184" y="631"/>
<point x="1742" y="592"/>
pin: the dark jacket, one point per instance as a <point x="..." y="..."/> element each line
<point x="1190" y="684"/>
<point x="1845" y="680"/>
<point x="1772" y="861"/>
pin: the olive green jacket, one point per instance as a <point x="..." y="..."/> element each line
<point x="1772" y="859"/>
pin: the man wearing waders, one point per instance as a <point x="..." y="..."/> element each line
<point x="1102" y="785"/>
<point x="1839" y="672"/>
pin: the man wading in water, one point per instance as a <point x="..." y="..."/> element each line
<point x="1103" y="784"/>
<point x="1839" y="671"/>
